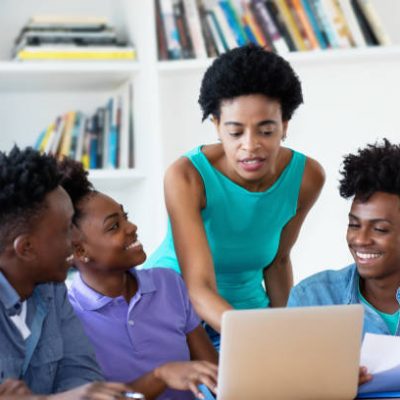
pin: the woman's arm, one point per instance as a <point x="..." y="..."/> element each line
<point x="185" y="198"/>
<point x="278" y="276"/>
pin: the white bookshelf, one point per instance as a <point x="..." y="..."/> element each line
<point x="350" y="99"/>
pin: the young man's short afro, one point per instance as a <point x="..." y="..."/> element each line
<point x="250" y="70"/>
<point x="26" y="177"/>
<point x="375" y="168"/>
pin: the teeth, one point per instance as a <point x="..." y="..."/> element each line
<point x="250" y="161"/>
<point x="134" y="244"/>
<point x="367" y="256"/>
<point x="70" y="258"/>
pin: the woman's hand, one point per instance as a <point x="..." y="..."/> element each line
<point x="188" y="375"/>
<point x="363" y="376"/>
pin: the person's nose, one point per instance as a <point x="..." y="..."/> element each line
<point x="361" y="237"/>
<point x="250" y="141"/>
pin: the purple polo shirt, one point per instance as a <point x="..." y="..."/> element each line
<point x="132" y="339"/>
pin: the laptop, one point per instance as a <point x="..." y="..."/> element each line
<point x="303" y="353"/>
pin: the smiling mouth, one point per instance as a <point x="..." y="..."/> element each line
<point x="367" y="256"/>
<point x="133" y="245"/>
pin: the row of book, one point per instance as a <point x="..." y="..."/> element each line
<point x="207" y="28"/>
<point x="101" y="140"/>
<point x="70" y="38"/>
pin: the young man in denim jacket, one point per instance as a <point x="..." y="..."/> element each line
<point x="43" y="349"/>
<point x="372" y="178"/>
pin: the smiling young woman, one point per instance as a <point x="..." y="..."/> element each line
<point x="236" y="207"/>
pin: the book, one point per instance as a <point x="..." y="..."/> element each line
<point x="324" y="22"/>
<point x="355" y="30"/>
<point x="194" y="26"/>
<point x="303" y="23"/>
<point x="233" y="21"/>
<point x="339" y="23"/>
<point x="319" y="33"/>
<point x="170" y="30"/>
<point x="86" y="23"/>
<point x="268" y="26"/>
<point x="161" y="40"/>
<point x="216" y="33"/>
<point x="291" y="25"/>
<point x="209" y="41"/>
<point x="251" y="21"/>
<point x="374" y="22"/>
<point x="224" y="26"/>
<point x="368" y="33"/>
<point x="184" y="37"/>
<point x="280" y="23"/>
<point x="66" y="52"/>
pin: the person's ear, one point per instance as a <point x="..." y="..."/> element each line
<point x="79" y="252"/>
<point x="24" y="248"/>
<point x="285" y="128"/>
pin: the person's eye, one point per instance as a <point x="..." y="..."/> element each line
<point x="267" y="133"/>
<point x="126" y="216"/>
<point x="113" y="227"/>
<point x="353" y="225"/>
<point x="381" y="230"/>
<point x="234" y="134"/>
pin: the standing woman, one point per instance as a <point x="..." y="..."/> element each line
<point x="236" y="207"/>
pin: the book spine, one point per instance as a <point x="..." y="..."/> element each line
<point x="218" y="40"/>
<point x="327" y="27"/>
<point x="319" y="34"/>
<point x="355" y="30"/>
<point x="291" y="25"/>
<point x="161" y="40"/>
<point x="374" y="21"/>
<point x="268" y="25"/>
<point x="337" y="21"/>
<point x="251" y="21"/>
<point x="280" y="23"/>
<point x="211" y="46"/>
<point x="170" y="30"/>
<point x="186" y="42"/>
<point x="194" y="24"/>
<point x="306" y="28"/>
<point x="226" y="30"/>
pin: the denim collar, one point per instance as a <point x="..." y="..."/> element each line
<point x="9" y="297"/>
<point x="91" y="300"/>
<point x="353" y="285"/>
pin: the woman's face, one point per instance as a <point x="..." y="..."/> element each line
<point x="373" y="235"/>
<point x="251" y="129"/>
<point x="108" y="239"/>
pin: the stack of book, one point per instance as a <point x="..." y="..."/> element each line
<point x="101" y="140"/>
<point x="207" y="28"/>
<point x="70" y="38"/>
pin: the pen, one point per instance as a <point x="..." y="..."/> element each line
<point x="133" y="395"/>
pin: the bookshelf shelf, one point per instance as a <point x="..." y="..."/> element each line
<point x="357" y="55"/>
<point x="70" y="76"/>
<point x="115" y="177"/>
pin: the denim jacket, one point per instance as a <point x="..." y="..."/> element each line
<point x="57" y="355"/>
<point x="338" y="287"/>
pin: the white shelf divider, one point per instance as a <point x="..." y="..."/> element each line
<point x="70" y="76"/>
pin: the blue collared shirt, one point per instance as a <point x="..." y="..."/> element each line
<point x="338" y="287"/>
<point x="57" y="355"/>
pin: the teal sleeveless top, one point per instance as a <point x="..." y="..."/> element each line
<point x="243" y="229"/>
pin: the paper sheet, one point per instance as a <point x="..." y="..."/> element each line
<point x="381" y="355"/>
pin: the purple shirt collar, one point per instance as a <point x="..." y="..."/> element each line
<point x="91" y="300"/>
